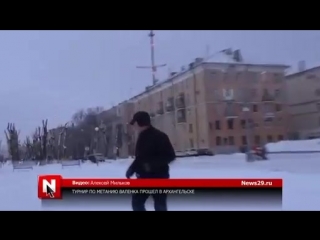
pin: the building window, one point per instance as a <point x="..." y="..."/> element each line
<point x="181" y="115"/>
<point x="255" y="108"/>
<point x="231" y="140"/>
<point x="318" y="106"/>
<point x="218" y="141"/>
<point x="191" y="143"/>
<point x="243" y="124"/>
<point x="190" y="128"/>
<point x="228" y="94"/>
<point x="225" y="141"/>
<point x="268" y="121"/>
<point x="230" y="123"/>
<point x="280" y="137"/>
<point x="269" y="139"/>
<point x="217" y="123"/>
<point x="257" y="140"/>
<point x="278" y="107"/>
<point x="244" y="140"/>
<point x="317" y="92"/>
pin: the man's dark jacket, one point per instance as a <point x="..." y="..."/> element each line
<point x="153" y="154"/>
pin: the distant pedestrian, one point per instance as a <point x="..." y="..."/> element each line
<point x="153" y="154"/>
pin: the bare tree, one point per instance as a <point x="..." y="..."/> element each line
<point x="61" y="140"/>
<point x="78" y="117"/>
<point x="73" y="137"/>
<point x="29" y="148"/>
<point x="36" y="144"/>
<point x="12" y="136"/>
<point x="44" y="139"/>
<point x="51" y="145"/>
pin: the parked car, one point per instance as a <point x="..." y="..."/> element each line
<point x="194" y="153"/>
<point x="191" y="153"/>
<point x="204" y="152"/>
<point x="98" y="157"/>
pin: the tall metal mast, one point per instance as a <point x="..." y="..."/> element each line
<point x="153" y="66"/>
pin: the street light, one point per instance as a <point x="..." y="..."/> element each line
<point x="249" y="155"/>
<point x="96" y="129"/>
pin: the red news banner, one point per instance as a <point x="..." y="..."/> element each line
<point x="52" y="186"/>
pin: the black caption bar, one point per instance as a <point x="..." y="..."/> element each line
<point x="130" y="191"/>
<point x="182" y="198"/>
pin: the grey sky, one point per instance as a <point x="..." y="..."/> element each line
<point x="51" y="74"/>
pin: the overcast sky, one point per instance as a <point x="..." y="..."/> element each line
<point x="52" y="74"/>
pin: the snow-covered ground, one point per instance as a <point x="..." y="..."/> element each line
<point x="300" y="172"/>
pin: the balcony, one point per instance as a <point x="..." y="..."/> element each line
<point x="228" y="94"/>
<point x="180" y="101"/>
<point x="170" y="104"/>
<point x="230" y="111"/>
<point x="160" y="109"/>
<point x="181" y="116"/>
<point x="267" y="96"/>
<point x="269" y="110"/>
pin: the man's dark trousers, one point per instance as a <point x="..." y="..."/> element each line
<point x="160" y="200"/>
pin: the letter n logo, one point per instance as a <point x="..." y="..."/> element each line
<point x="49" y="187"/>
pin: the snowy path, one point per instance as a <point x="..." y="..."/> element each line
<point x="301" y="174"/>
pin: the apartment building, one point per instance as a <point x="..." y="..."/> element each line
<point x="303" y="93"/>
<point x="117" y="132"/>
<point x="219" y="106"/>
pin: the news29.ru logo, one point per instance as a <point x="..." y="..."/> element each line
<point x="49" y="187"/>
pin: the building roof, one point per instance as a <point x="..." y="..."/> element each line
<point x="297" y="74"/>
<point x="196" y="65"/>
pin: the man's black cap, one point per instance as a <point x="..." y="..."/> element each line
<point x="141" y="118"/>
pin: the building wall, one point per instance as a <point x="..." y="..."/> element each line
<point x="193" y="125"/>
<point x="248" y="83"/>
<point x="123" y="135"/>
<point x="303" y="92"/>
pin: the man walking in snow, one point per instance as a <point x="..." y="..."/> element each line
<point x="153" y="154"/>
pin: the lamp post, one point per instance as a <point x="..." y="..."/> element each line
<point x="96" y="129"/>
<point x="249" y="155"/>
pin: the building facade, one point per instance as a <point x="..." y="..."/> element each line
<point x="303" y="93"/>
<point x="119" y="136"/>
<point x="219" y="106"/>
